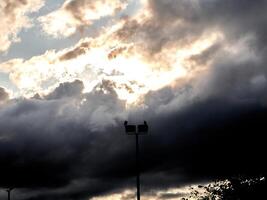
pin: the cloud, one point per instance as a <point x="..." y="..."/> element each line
<point x="66" y="90"/>
<point x="172" y="193"/>
<point x="125" y="63"/>
<point x="13" y="18"/>
<point x="75" y="15"/>
<point x="74" y="146"/>
<point x="70" y="143"/>
<point x="41" y="74"/>
<point x="93" y="113"/>
<point x="77" y="51"/>
<point x="4" y="96"/>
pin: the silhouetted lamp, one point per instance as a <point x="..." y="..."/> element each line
<point x="129" y="129"/>
<point x="142" y="128"/>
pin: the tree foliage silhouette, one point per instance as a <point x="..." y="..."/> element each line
<point x="237" y="188"/>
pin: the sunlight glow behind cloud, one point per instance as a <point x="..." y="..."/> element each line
<point x="116" y="56"/>
<point x="132" y="74"/>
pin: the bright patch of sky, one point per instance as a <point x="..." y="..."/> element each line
<point x="34" y="41"/>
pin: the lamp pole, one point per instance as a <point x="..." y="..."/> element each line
<point x="142" y="129"/>
<point x="9" y="193"/>
<point x="137" y="167"/>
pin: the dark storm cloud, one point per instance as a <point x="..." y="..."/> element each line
<point x="43" y="148"/>
<point x="182" y="22"/>
<point x="73" y="146"/>
<point x="54" y="145"/>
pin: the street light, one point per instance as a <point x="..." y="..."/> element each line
<point x="142" y="129"/>
<point x="9" y="192"/>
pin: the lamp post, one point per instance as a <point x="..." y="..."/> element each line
<point x="142" y="129"/>
<point x="9" y="192"/>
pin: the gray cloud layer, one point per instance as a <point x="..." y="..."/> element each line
<point x="70" y="145"/>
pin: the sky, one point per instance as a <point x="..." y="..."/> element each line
<point x="72" y="71"/>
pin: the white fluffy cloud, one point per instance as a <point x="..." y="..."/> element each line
<point x="74" y="15"/>
<point x="13" y="17"/>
